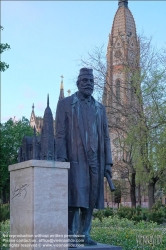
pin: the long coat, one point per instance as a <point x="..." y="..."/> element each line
<point x="70" y="140"/>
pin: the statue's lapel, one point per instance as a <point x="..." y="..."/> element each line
<point x="75" y="109"/>
<point x="98" y="109"/>
<point x="77" y="117"/>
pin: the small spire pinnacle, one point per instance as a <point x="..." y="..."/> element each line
<point x="61" y="87"/>
<point x="47" y="100"/>
<point x="122" y="3"/>
<point x="61" y="95"/>
<point x="33" y="107"/>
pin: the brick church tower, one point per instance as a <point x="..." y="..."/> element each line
<point x="122" y="63"/>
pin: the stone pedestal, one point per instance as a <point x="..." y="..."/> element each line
<point x="39" y="205"/>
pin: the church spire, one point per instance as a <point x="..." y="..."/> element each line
<point x="32" y="118"/>
<point x="47" y="135"/>
<point x="122" y="3"/>
<point x="62" y="81"/>
<point x="47" y="100"/>
<point x="61" y="95"/>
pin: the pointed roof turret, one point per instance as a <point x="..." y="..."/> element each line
<point x="48" y="119"/>
<point x="47" y="110"/>
<point x="61" y="95"/>
<point x="47" y="135"/>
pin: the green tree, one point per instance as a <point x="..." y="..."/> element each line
<point x="11" y="135"/>
<point x="3" y="47"/>
<point x="146" y="134"/>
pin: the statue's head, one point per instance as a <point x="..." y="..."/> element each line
<point x="85" y="81"/>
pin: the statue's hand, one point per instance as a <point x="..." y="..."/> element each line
<point x="61" y="159"/>
<point x="108" y="169"/>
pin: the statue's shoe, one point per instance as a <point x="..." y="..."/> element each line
<point x="89" y="242"/>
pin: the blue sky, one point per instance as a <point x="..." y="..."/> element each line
<point x="48" y="38"/>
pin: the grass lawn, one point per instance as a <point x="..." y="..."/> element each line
<point x="128" y="234"/>
<point x="117" y="231"/>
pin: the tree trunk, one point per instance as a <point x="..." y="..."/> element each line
<point x="139" y="194"/>
<point x="151" y="187"/>
<point x="132" y="190"/>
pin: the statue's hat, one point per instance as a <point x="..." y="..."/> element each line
<point x="86" y="71"/>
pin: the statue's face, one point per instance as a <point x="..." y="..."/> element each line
<point x="86" y="85"/>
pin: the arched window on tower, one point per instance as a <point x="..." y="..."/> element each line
<point x="118" y="90"/>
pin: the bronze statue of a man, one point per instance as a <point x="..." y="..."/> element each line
<point x="83" y="140"/>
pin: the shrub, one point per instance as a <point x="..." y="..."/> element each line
<point x="4" y="212"/>
<point x="4" y="234"/>
<point x="126" y="212"/>
<point x="108" y="212"/>
<point x="98" y="214"/>
<point x="156" y="216"/>
<point x="157" y="213"/>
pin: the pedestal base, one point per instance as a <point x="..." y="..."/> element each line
<point x="38" y="204"/>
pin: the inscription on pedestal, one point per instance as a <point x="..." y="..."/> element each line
<point x="17" y="192"/>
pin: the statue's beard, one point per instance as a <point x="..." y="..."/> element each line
<point x="86" y="91"/>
